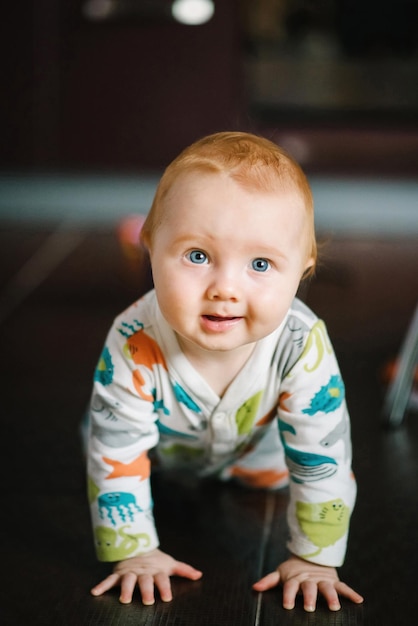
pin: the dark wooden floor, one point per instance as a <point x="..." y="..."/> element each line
<point x="54" y="313"/>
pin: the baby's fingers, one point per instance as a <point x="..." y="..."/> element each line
<point x="146" y="586"/>
<point x="162" y="582"/>
<point x="310" y="594"/>
<point x="329" y="592"/>
<point x="290" y="591"/>
<point x="127" y="587"/>
<point x="348" y="592"/>
<point x="105" y="585"/>
<point x="186" y="571"/>
<point x="267" y="582"/>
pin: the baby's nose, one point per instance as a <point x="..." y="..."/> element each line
<point x="224" y="287"/>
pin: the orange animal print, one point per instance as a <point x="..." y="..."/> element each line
<point x="139" y="382"/>
<point x="260" y="479"/>
<point x="269" y="417"/>
<point x="282" y="401"/>
<point x="144" y="351"/>
<point x="141" y="466"/>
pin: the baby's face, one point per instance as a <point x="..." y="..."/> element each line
<point x="227" y="260"/>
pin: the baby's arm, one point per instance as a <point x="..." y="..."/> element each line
<point x="315" y="432"/>
<point x="123" y="429"/>
<point x="148" y="571"/>
<point x="299" y="576"/>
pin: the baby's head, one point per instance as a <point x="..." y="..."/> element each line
<point x="255" y="163"/>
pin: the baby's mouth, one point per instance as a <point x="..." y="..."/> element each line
<point x="220" y="323"/>
<point x="219" y="318"/>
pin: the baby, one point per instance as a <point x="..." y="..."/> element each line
<point x="222" y="369"/>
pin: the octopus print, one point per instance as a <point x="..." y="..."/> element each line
<point x="120" y="503"/>
<point x="116" y="545"/>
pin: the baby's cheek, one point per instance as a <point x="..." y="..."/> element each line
<point x="271" y="310"/>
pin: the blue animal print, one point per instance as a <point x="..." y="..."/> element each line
<point x="328" y="398"/>
<point x="284" y="427"/>
<point x="120" y="502"/>
<point x="104" y="369"/>
<point x="159" y="404"/>
<point x="341" y="432"/>
<point x="166" y="430"/>
<point x="305" y="466"/>
<point x="130" y="329"/>
<point x="184" y="398"/>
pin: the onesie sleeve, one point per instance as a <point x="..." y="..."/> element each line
<point x="122" y="431"/>
<point x="315" y="431"/>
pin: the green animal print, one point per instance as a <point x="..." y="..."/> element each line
<point x="324" y="523"/>
<point x="182" y="452"/>
<point x="247" y="413"/>
<point x="92" y="490"/>
<point x="318" y="339"/>
<point x="107" y="546"/>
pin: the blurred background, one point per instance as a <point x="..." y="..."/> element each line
<point x="97" y="97"/>
<point x="123" y="85"/>
<point x="101" y="94"/>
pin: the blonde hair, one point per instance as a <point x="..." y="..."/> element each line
<point x="252" y="161"/>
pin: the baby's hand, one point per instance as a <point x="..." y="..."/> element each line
<point x="297" y="575"/>
<point x="148" y="571"/>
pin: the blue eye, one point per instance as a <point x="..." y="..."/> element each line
<point x="197" y="256"/>
<point x="260" y="265"/>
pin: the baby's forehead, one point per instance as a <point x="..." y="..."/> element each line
<point x="267" y="183"/>
<point x="195" y="200"/>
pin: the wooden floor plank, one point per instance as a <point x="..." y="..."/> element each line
<point x="49" y="347"/>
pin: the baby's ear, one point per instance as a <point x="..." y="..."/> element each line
<point x="309" y="269"/>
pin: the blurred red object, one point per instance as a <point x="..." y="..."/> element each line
<point x="389" y="369"/>
<point x="128" y="231"/>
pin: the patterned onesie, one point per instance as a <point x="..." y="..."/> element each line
<point x="283" y="420"/>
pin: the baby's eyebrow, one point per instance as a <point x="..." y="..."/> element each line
<point x="191" y="238"/>
<point x="266" y="251"/>
<point x="253" y="248"/>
